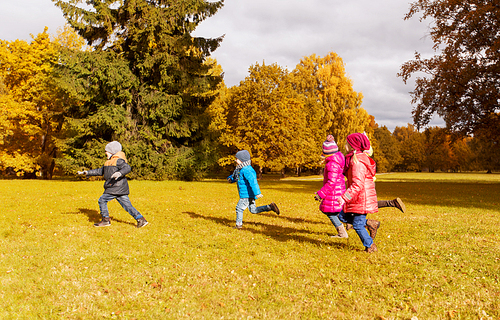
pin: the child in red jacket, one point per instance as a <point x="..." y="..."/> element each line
<point x="333" y="184"/>
<point x="360" y="197"/>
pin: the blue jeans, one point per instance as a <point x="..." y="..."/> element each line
<point x="244" y="203"/>
<point x="358" y="222"/>
<point x="124" y="201"/>
<point x="334" y="218"/>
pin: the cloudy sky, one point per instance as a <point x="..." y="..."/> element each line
<point x="370" y="36"/>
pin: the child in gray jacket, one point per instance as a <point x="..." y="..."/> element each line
<point x="116" y="185"/>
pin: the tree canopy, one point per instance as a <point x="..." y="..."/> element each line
<point x="32" y="107"/>
<point x="283" y="117"/>
<point x="265" y="115"/>
<point x="461" y="83"/>
<point x="149" y="80"/>
<point x="333" y="105"/>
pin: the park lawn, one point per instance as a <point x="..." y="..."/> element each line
<point x="440" y="260"/>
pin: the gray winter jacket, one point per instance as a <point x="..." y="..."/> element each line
<point x="117" y="163"/>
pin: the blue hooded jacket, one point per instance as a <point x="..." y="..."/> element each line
<point x="248" y="187"/>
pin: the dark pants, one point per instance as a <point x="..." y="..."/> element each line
<point x="124" y="201"/>
<point x="358" y="222"/>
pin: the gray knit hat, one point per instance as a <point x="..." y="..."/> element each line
<point x="243" y="155"/>
<point x="113" y="147"/>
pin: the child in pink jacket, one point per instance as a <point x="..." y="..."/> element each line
<point x="333" y="185"/>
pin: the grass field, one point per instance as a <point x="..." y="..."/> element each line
<point x="440" y="260"/>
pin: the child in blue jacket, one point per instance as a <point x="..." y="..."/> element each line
<point x="248" y="188"/>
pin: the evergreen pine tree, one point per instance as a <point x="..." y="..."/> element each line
<point x="164" y="118"/>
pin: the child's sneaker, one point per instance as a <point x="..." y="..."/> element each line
<point x="105" y="222"/>
<point x="275" y="208"/>
<point x="141" y="222"/>
<point x="238" y="226"/>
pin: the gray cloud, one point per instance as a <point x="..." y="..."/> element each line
<point x="19" y="19"/>
<point x="370" y="36"/>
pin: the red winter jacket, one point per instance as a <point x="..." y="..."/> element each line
<point x="333" y="183"/>
<point x="360" y="196"/>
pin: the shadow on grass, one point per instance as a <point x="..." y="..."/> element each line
<point x="293" y="186"/>
<point x="278" y="233"/>
<point x="444" y="194"/>
<point x="302" y="220"/>
<point x="94" y="216"/>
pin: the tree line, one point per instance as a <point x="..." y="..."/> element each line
<point x="134" y="73"/>
<point x="434" y="149"/>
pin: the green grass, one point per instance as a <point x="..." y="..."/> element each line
<point x="440" y="260"/>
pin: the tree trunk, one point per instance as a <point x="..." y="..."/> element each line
<point x="259" y="172"/>
<point x="29" y="175"/>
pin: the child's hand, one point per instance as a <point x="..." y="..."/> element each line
<point x="82" y="172"/>
<point x="340" y="201"/>
<point x="116" y="175"/>
<point x="259" y="196"/>
<point x="317" y="197"/>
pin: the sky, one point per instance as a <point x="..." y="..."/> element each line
<point x="371" y="37"/>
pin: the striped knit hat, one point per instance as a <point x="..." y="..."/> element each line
<point x="329" y="146"/>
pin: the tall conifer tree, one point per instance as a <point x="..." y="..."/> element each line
<point x="165" y="117"/>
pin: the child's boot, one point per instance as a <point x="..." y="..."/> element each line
<point x="396" y="203"/>
<point x="105" y="222"/>
<point x="342" y="233"/>
<point x="372" y="226"/>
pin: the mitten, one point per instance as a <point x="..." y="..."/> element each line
<point x="317" y="197"/>
<point x="116" y="175"/>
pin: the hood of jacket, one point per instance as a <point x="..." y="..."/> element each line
<point x="368" y="162"/>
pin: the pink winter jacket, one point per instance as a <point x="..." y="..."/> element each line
<point x="360" y="196"/>
<point x="333" y="183"/>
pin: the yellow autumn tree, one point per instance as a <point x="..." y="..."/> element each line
<point x="333" y="105"/>
<point x="266" y="116"/>
<point x="31" y="107"/>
